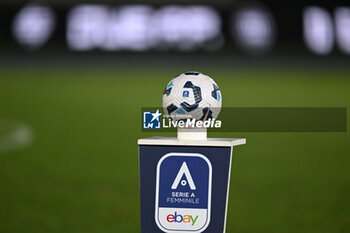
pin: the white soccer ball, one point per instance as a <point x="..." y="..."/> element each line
<point x="192" y="95"/>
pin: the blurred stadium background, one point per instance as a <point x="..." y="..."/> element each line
<point x="74" y="76"/>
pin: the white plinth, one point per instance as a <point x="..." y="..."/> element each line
<point x="192" y="133"/>
<point x="220" y="142"/>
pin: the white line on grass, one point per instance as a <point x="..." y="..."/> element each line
<point x="14" y="135"/>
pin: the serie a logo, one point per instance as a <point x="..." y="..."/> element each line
<point x="183" y="192"/>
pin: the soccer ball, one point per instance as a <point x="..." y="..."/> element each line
<point x="192" y="95"/>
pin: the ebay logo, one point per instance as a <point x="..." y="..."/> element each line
<point x="178" y="218"/>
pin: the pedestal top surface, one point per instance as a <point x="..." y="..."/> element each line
<point x="225" y="142"/>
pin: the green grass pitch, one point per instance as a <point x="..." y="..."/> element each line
<point x="80" y="173"/>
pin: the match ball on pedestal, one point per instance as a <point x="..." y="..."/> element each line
<point x="192" y="95"/>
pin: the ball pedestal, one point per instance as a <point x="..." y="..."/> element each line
<point x="184" y="182"/>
